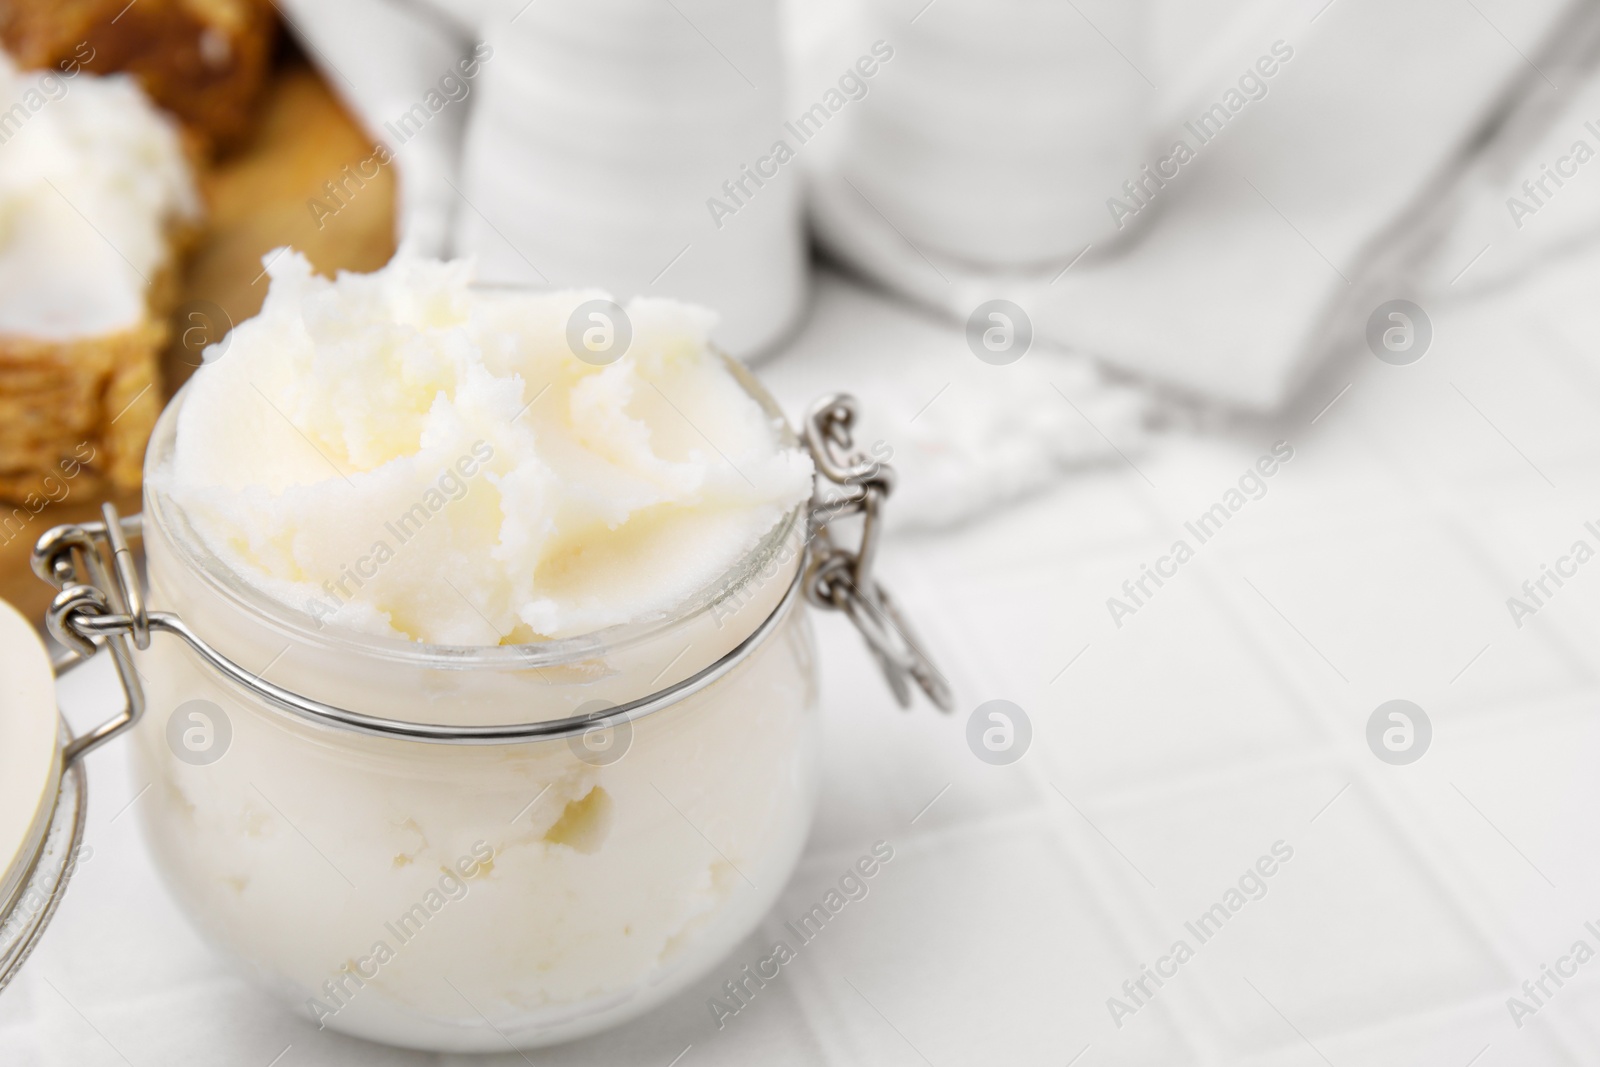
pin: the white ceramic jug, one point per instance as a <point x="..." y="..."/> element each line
<point x="603" y="132"/>
<point x="1002" y="126"/>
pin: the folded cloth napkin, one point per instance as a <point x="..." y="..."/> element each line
<point x="964" y="436"/>
<point x="1222" y="277"/>
<point x="1532" y="194"/>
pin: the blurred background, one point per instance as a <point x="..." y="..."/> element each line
<point x="1238" y="359"/>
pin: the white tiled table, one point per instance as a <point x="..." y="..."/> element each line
<point x="1226" y="715"/>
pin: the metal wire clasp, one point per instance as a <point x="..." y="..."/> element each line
<point x="841" y="579"/>
<point x="82" y="610"/>
<point x="100" y="604"/>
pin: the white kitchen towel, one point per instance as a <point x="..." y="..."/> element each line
<point x="965" y="437"/>
<point x="1229" y="282"/>
<point x="1533" y="194"/>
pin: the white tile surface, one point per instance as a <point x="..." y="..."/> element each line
<point x="1170" y="755"/>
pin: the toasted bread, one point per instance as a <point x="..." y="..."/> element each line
<point x="97" y="204"/>
<point x="206" y="61"/>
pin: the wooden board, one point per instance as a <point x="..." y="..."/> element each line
<point x="258" y="201"/>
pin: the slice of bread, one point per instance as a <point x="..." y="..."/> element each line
<point x="97" y="198"/>
<point x="206" y="61"/>
<point x="87" y="415"/>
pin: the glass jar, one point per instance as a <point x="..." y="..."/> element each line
<point x="438" y="895"/>
<point x="465" y="848"/>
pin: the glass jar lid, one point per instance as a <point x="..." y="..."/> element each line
<point x="31" y="788"/>
<point x="30" y="757"/>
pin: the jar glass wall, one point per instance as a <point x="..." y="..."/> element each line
<point x="451" y="896"/>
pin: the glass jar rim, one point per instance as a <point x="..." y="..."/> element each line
<point x="171" y="522"/>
